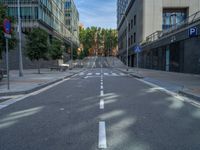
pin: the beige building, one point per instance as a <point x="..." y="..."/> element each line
<point x="148" y="16"/>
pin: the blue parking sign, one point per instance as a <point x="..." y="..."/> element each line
<point x="193" y="32"/>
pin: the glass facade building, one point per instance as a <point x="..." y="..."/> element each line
<point x="46" y="14"/>
<point x="72" y="18"/>
<point x="121" y="8"/>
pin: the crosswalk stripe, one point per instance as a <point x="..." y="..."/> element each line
<point x="105" y="74"/>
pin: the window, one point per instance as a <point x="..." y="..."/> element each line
<point x="129" y="27"/>
<point x="134" y="37"/>
<point x="131" y="39"/>
<point x="132" y="24"/>
<point x="173" y="16"/>
<point x="135" y="20"/>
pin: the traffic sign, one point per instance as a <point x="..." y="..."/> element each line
<point x="137" y="49"/>
<point x="7" y="26"/>
<point x="193" y="32"/>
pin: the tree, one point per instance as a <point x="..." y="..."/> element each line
<point x="81" y="55"/>
<point x="75" y="54"/>
<point x="37" y="45"/>
<point x="12" y="41"/>
<point x="98" y="39"/>
<point x="56" y="50"/>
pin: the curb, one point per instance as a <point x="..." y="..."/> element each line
<point x="189" y="95"/>
<point x="132" y="74"/>
<point x="36" y="88"/>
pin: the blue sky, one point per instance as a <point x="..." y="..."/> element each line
<point x="100" y="13"/>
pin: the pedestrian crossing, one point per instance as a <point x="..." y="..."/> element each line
<point x="104" y="74"/>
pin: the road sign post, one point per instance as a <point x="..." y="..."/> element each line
<point x="137" y="50"/>
<point x="7" y="65"/>
<point x="7" y="32"/>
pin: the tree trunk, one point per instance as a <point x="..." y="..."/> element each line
<point x="38" y="66"/>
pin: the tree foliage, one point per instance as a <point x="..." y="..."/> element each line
<point x="98" y="40"/>
<point x="12" y="41"/>
<point x="37" y="45"/>
<point x="56" y="49"/>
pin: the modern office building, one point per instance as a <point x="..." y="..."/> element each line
<point x="72" y="18"/>
<point x="121" y="7"/>
<point x="45" y="14"/>
<point x="151" y="20"/>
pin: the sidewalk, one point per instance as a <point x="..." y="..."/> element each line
<point x="185" y="84"/>
<point x="31" y="81"/>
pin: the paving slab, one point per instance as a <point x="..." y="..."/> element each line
<point x="32" y="81"/>
<point x="182" y="83"/>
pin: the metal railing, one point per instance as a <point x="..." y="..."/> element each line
<point x="184" y="23"/>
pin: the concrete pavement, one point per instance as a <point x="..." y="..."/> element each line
<point x="100" y="108"/>
<point x="185" y="84"/>
<point x="32" y="81"/>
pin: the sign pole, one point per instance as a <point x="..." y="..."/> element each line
<point x="7" y="65"/>
<point x="137" y="50"/>
<point x="137" y="60"/>
<point x="7" y="35"/>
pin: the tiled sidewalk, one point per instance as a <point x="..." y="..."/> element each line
<point x="32" y="81"/>
<point x="186" y="84"/>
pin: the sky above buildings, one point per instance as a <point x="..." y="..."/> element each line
<point x="100" y="13"/>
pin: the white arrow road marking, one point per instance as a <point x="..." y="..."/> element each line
<point x="102" y="135"/>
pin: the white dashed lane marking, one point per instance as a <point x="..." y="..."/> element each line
<point x="102" y="104"/>
<point x="102" y="135"/>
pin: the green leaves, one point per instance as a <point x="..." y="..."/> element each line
<point x="37" y="44"/>
<point x="56" y="49"/>
<point x="100" y="39"/>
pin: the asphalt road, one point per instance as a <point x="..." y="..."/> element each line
<point x="100" y="108"/>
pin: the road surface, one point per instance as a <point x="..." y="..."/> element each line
<point x="100" y="108"/>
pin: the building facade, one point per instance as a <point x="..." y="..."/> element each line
<point x="72" y="18"/>
<point x="147" y="18"/>
<point x="121" y="7"/>
<point x="45" y="14"/>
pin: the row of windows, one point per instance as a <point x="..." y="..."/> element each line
<point x="132" y="39"/>
<point x="132" y="23"/>
<point x="25" y="12"/>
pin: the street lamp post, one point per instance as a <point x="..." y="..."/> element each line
<point x="127" y="43"/>
<point x="20" y="41"/>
